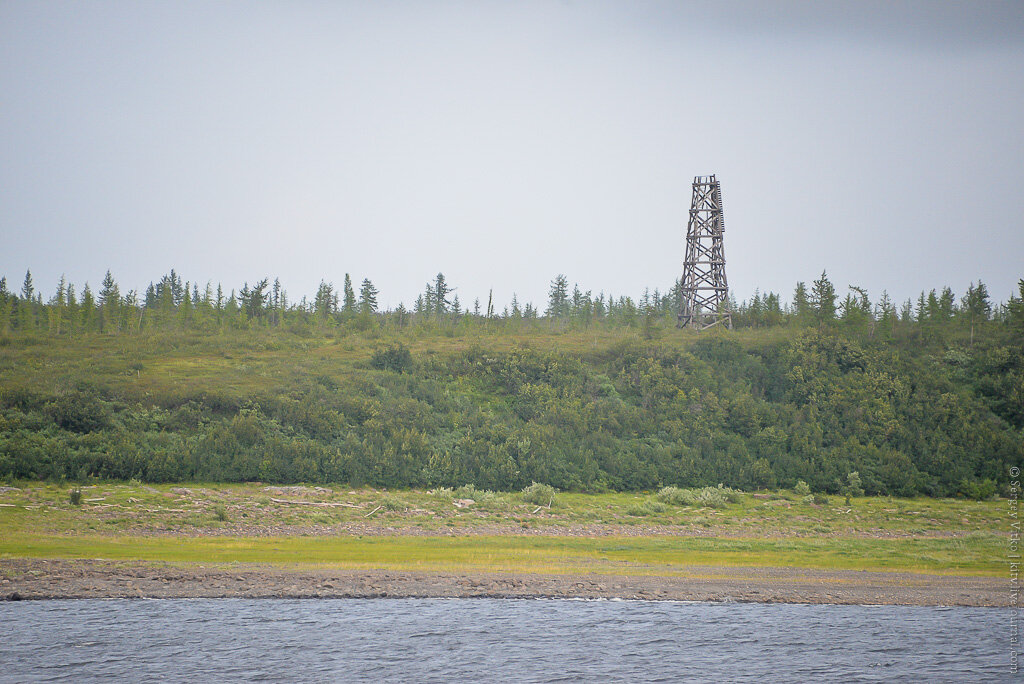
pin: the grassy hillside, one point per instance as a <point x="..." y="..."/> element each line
<point x="590" y="408"/>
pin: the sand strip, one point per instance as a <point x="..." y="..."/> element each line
<point x="52" y="579"/>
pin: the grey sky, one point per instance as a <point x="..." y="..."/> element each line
<point x="505" y="142"/>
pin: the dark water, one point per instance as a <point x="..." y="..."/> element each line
<point x="496" y="640"/>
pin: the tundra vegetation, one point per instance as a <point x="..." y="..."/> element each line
<point x="469" y="529"/>
<point x="842" y="397"/>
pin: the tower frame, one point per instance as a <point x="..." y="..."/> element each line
<point x="704" y="290"/>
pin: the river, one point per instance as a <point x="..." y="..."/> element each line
<point x="442" y="640"/>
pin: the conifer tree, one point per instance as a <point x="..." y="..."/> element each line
<point x="27" y="288"/>
<point x="275" y="302"/>
<point x="349" y="302"/>
<point x="429" y="300"/>
<point x="367" y="297"/>
<point x="109" y="301"/>
<point x="558" y="297"/>
<point x="55" y="310"/>
<point x="6" y="306"/>
<point x="823" y="299"/>
<point x="1015" y="311"/>
<point x="87" y="310"/>
<point x="253" y="299"/>
<point x="441" y="292"/>
<point x="801" y="303"/>
<point x="326" y="302"/>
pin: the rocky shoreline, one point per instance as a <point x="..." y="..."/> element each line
<point x="79" y="579"/>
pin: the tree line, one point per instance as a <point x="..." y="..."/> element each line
<point x="170" y="303"/>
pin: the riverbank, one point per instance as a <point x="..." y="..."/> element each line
<point x="53" y="579"/>
<point x="253" y="540"/>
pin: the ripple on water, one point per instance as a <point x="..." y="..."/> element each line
<point x="493" y="639"/>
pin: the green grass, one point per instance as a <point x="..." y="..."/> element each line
<point x="973" y="555"/>
<point x="180" y="523"/>
<point x="44" y="508"/>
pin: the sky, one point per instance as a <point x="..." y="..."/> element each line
<point x="503" y="143"/>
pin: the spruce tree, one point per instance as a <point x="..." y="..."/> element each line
<point x="253" y="299"/>
<point x="88" y="310"/>
<point x="110" y="302"/>
<point x="1015" y="311"/>
<point x="801" y="303"/>
<point x="27" y="288"/>
<point x="367" y="297"/>
<point x="326" y="301"/>
<point x="441" y="292"/>
<point x="558" y="297"/>
<point x="349" y="302"/>
<point x="823" y="299"/>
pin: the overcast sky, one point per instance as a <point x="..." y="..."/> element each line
<point x="506" y="142"/>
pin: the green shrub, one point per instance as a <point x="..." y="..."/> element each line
<point x="853" y="485"/>
<point x="481" y="496"/>
<point x="77" y="412"/>
<point x="220" y="512"/>
<point x="802" y="488"/>
<point x="979" y="491"/>
<point x="649" y="507"/>
<point x="395" y="357"/>
<point x="676" y="496"/>
<point x="731" y="495"/>
<point x="75" y="497"/>
<point x="711" y="497"/>
<point x="390" y="503"/>
<point x="539" y="494"/>
<point x="821" y="500"/>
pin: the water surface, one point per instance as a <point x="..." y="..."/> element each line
<point x="440" y="640"/>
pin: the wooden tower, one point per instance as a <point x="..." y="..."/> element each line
<point x="704" y="292"/>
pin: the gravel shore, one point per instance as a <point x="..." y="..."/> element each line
<point x="53" y="579"/>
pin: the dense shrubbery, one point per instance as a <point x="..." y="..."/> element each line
<point x="746" y="410"/>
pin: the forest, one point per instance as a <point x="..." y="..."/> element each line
<point x="590" y="393"/>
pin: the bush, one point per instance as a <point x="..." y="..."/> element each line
<point x="802" y="488"/>
<point x="220" y="512"/>
<point x="390" y="503"/>
<point x="539" y="494"/>
<point x="676" y="496"/>
<point x="78" y="413"/>
<point x="853" y="485"/>
<point x="711" y="497"/>
<point x="75" y="497"/>
<point x="979" y="491"/>
<point x="821" y="500"/>
<point x="392" y="358"/>
<point x="482" y="496"/>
